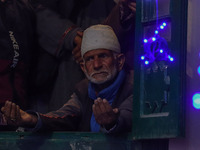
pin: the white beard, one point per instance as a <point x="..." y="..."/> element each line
<point x="111" y="75"/>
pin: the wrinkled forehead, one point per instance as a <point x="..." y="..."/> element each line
<point x="97" y="52"/>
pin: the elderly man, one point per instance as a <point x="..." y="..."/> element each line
<point x="102" y="102"/>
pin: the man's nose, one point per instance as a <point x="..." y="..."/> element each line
<point x="97" y="63"/>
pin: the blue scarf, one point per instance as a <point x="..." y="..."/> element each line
<point x="108" y="93"/>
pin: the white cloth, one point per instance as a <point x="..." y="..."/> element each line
<point x="99" y="37"/>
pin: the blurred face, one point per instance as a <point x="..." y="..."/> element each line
<point x="100" y="66"/>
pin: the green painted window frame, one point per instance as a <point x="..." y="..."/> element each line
<point x="173" y="124"/>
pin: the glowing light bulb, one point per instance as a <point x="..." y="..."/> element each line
<point x="156" y="32"/>
<point x="146" y="62"/>
<point x="198" y="70"/>
<point x="171" y="59"/>
<point x="153" y="39"/>
<point x="196" y="100"/>
<point x="161" y="27"/>
<point x="145" y="40"/>
<point x="142" y="57"/>
<point x="161" y="50"/>
<point x="164" y="24"/>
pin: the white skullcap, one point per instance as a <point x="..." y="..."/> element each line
<point x="99" y="37"/>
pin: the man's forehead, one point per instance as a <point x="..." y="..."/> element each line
<point x="96" y="52"/>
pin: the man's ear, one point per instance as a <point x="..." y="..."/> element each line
<point x="82" y="65"/>
<point x="120" y="61"/>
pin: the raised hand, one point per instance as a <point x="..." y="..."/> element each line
<point x="104" y="114"/>
<point x="17" y="117"/>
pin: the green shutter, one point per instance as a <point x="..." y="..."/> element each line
<point x="158" y="109"/>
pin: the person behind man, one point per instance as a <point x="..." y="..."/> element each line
<point x="18" y="50"/>
<point x="102" y="102"/>
<point x="17" y="45"/>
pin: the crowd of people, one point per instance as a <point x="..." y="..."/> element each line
<point x="47" y="49"/>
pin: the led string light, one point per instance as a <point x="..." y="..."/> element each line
<point x="198" y="70"/>
<point x="196" y="96"/>
<point x="156" y="48"/>
<point x="196" y="100"/>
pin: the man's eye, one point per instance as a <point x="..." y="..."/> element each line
<point x="103" y="56"/>
<point x="89" y="59"/>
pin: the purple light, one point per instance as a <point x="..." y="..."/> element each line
<point x="156" y="32"/>
<point x="146" y="62"/>
<point x="142" y="57"/>
<point x="171" y="59"/>
<point x="153" y="39"/>
<point x="162" y="27"/>
<point x="198" y="70"/>
<point x="161" y="50"/>
<point x="164" y="24"/>
<point x="145" y="40"/>
<point x="196" y="100"/>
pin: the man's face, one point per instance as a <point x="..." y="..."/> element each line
<point x="100" y="66"/>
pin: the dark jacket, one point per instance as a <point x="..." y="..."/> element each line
<point x="75" y="115"/>
<point x="16" y="47"/>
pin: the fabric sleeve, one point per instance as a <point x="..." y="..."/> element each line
<point x="37" y="126"/>
<point x="55" y="32"/>
<point x="64" y="119"/>
<point x="124" y="122"/>
<point x="120" y="25"/>
<point x="124" y="27"/>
